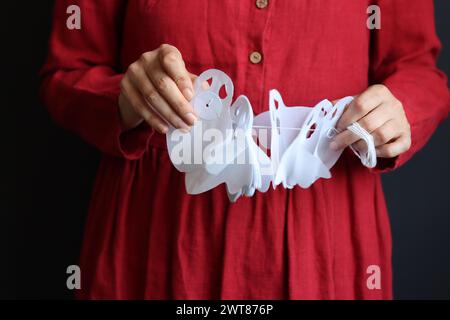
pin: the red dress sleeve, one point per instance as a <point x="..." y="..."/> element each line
<point x="403" y="57"/>
<point x="81" y="78"/>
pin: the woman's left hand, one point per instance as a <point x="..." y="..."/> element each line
<point x="380" y="114"/>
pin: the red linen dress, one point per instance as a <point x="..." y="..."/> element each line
<point x="145" y="238"/>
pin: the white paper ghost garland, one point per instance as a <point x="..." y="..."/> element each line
<point x="221" y="147"/>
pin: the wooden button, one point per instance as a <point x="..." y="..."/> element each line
<point x="255" y="57"/>
<point x="261" y="4"/>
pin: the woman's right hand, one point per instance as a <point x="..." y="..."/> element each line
<point x="157" y="89"/>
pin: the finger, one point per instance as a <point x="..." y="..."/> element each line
<point x="170" y="93"/>
<point x="361" y="106"/>
<point x="173" y="64"/>
<point x="193" y="78"/>
<point x="205" y="84"/>
<point x="343" y="140"/>
<point x="386" y="133"/>
<point x="395" y="148"/>
<point x="371" y="122"/>
<point x="383" y="135"/>
<point x="140" y="80"/>
<point x="376" y="118"/>
<point x="140" y="106"/>
<point x="162" y="107"/>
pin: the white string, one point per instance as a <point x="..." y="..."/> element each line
<point x="369" y="158"/>
<point x="284" y="128"/>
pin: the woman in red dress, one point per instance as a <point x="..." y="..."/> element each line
<point x="145" y="238"/>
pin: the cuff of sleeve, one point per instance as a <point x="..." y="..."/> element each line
<point x="94" y="114"/>
<point x="131" y="144"/>
<point x="386" y="165"/>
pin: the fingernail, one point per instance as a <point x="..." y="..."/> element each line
<point x="188" y="94"/>
<point x="185" y="129"/>
<point x="191" y="117"/>
<point x="163" y="129"/>
<point x="334" y="146"/>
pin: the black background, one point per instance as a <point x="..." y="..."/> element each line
<point x="47" y="176"/>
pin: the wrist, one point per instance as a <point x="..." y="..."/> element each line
<point x="128" y="117"/>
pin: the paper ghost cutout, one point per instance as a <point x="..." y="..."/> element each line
<point x="216" y="114"/>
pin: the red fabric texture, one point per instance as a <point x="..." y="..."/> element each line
<point x="145" y="238"/>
